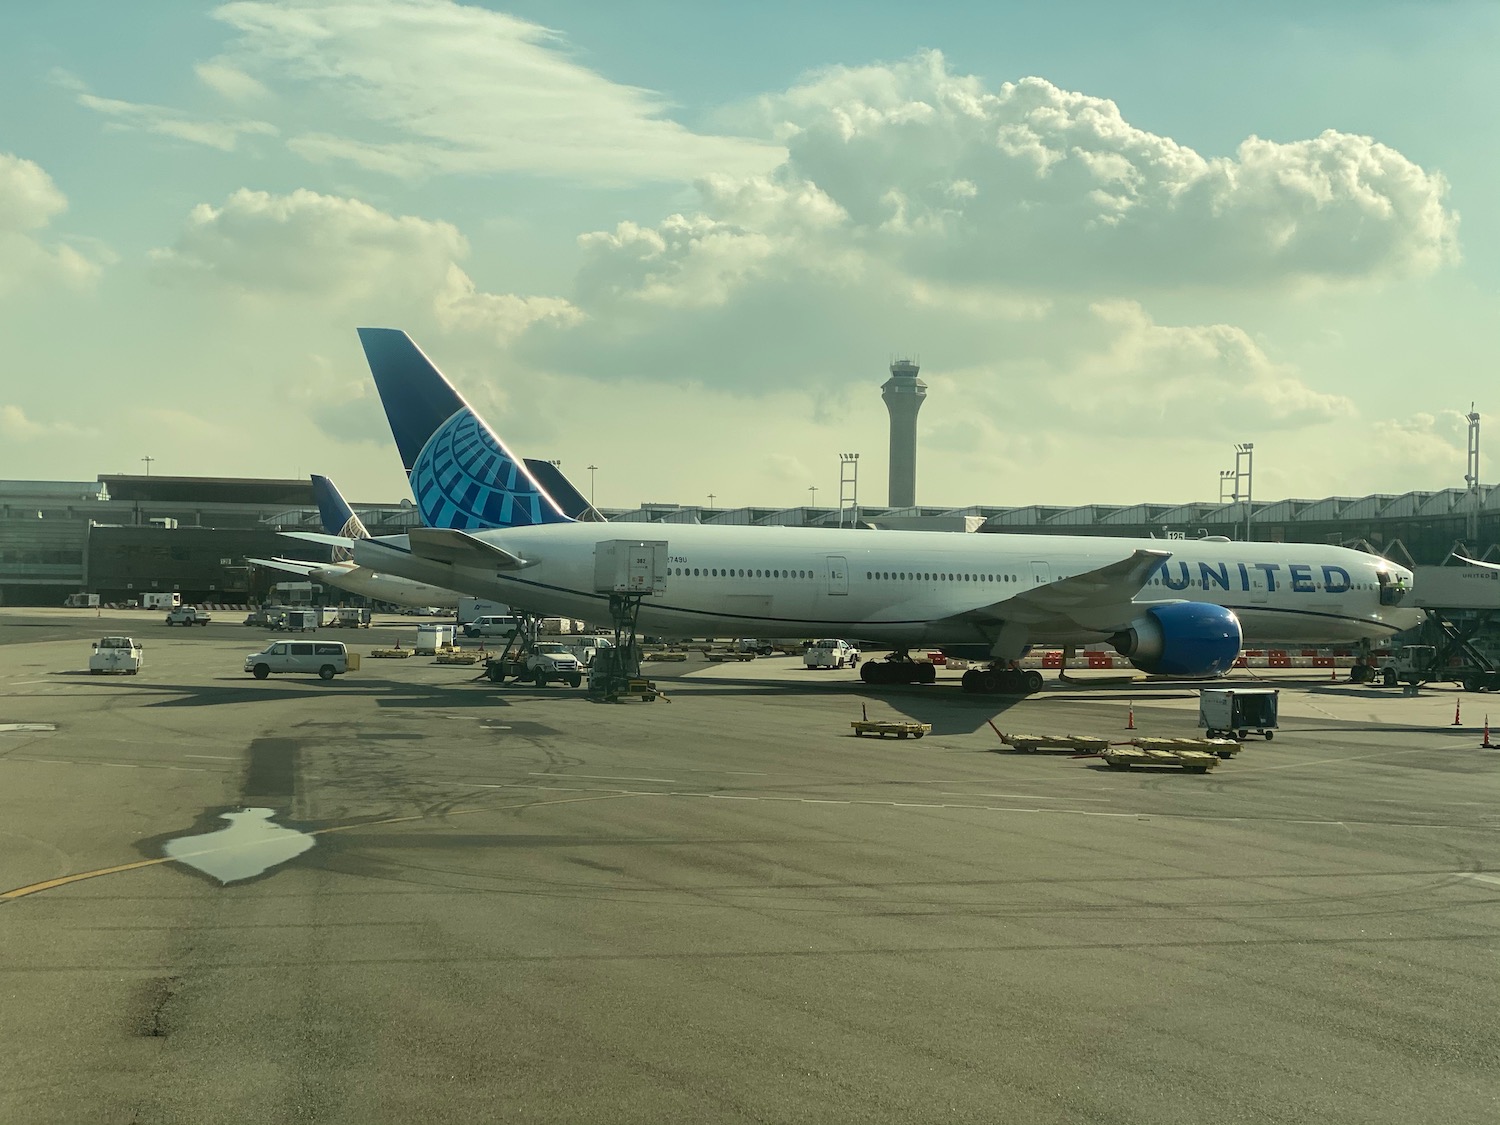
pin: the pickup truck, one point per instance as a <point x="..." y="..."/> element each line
<point x="187" y="615"/>
<point x="116" y="654"/>
<point x="550" y="661"/>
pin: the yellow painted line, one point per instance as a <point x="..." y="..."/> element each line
<point x="65" y="880"/>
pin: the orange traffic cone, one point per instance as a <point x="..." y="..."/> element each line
<point x="1487" y="744"/>
<point x="1333" y="672"/>
<point x="1457" y="703"/>
<point x="1130" y="716"/>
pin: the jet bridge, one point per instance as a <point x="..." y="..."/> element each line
<point x="1462" y="604"/>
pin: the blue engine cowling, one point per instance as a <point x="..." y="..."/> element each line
<point x="1182" y="639"/>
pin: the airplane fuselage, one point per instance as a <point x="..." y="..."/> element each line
<point x="904" y="588"/>
<point x="383" y="587"/>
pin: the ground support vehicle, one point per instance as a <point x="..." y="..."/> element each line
<point x="188" y="615"/>
<point x="1144" y="752"/>
<point x="81" y="601"/>
<point x="296" y="621"/>
<point x="326" y="658"/>
<point x="156" y="599"/>
<point x="751" y="644"/>
<point x="351" y="619"/>
<point x="720" y="655"/>
<point x="895" y="727"/>
<point x="1235" y="712"/>
<point x="116" y="655"/>
<point x="1074" y="743"/>
<point x="1454" y="659"/>
<point x="830" y="652"/>
<point x="548" y="662"/>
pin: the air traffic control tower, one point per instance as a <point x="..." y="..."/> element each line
<point x="904" y="394"/>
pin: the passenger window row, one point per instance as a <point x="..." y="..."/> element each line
<point x="928" y="576"/>
<point x="730" y="572"/>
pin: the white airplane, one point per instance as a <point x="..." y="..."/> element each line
<point x="1173" y="607"/>
<point x="340" y="521"/>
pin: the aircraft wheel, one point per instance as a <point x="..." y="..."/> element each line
<point x="1390" y="677"/>
<point x="989" y="682"/>
<point x="1031" y="681"/>
<point x="870" y="673"/>
<point x="929" y="674"/>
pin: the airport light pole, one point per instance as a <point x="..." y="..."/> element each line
<point x="814" y="490"/>
<point x="1245" y="452"/>
<point x="1225" y="476"/>
<point x="148" y="461"/>
<point x="711" y="497"/>
<point x="591" y="484"/>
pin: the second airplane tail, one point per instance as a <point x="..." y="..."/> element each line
<point x="338" y="518"/>
<point x="462" y="475"/>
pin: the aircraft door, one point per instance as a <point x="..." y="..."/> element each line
<point x="838" y="574"/>
<point x="1041" y="572"/>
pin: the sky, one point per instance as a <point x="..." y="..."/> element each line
<point x="681" y="242"/>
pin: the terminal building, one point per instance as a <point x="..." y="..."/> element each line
<point x="121" y="535"/>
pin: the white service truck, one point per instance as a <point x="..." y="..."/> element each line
<point x="187" y="615"/>
<point x="116" y="655"/>
<point x="830" y="652"/>
<point x="157" y="599"/>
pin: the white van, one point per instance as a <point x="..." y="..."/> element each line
<point x="327" y="658"/>
<point x="493" y="625"/>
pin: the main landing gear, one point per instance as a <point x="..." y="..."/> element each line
<point x="898" y="668"/>
<point x="997" y="680"/>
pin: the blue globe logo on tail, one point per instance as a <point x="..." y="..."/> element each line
<point x="466" y="479"/>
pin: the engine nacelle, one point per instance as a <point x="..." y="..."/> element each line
<point x="1182" y="639"/>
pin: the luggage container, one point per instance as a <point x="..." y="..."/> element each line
<point x="1235" y="712"/>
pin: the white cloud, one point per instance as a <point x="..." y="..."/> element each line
<point x="230" y="81"/>
<point x="15" y="426"/>
<point x="222" y="134"/>
<point x="332" y="252"/>
<point x="431" y="87"/>
<point x="29" y="201"/>
<point x="1036" y="185"/>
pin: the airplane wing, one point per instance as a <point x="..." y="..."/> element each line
<point x="450" y="546"/>
<point x="1097" y="600"/>
<point x="291" y="566"/>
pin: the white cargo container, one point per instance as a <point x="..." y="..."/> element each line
<point x="433" y="639"/>
<point x="1235" y="712"/>
<point x="630" y="566"/>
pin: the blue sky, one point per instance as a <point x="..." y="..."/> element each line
<point x="682" y="241"/>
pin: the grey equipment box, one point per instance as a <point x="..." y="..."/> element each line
<point x="630" y="566"/>
<point x="1235" y="712"/>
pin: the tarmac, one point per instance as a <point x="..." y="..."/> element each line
<point x="422" y="896"/>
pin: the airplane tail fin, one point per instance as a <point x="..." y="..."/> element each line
<point x="462" y="475"/>
<point x="338" y="517"/>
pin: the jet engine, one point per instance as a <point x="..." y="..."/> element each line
<point x="1181" y="639"/>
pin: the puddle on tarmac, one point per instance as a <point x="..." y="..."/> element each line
<point x="250" y="846"/>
